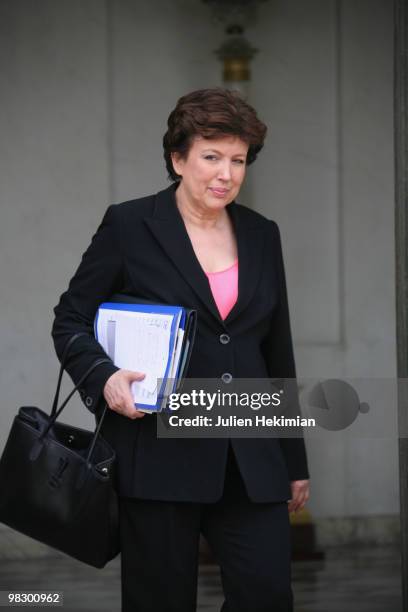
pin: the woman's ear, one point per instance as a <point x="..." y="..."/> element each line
<point x="177" y="162"/>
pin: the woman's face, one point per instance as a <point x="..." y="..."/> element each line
<point x="213" y="171"/>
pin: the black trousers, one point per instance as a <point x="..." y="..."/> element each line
<point x="250" y="541"/>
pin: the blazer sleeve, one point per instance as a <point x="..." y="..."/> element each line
<point x="98" y="276"/>
<point x="278" y="352"/>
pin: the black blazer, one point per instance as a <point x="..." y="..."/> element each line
<point x="142" y="248"/>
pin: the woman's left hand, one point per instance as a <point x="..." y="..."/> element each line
<point x="300" y="495"/>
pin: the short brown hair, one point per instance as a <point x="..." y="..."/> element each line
<point x="211" y="113"/>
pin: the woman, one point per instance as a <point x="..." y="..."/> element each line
<point x="192" y="245"/>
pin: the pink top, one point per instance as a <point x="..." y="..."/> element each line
<point x="224" y="287"/>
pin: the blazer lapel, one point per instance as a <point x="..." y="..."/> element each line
<point x="168" y="227"/>
<point x="250" y="240"/>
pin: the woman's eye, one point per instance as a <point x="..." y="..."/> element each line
<point x="239" y="161"/>
<point x="211" y="157"/>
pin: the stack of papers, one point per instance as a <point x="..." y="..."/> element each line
<point x="154" y="339"/>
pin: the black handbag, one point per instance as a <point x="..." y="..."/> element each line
<point x="56" y="481"/>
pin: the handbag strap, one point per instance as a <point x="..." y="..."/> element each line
<point x="91" y="368"/>
<point x="56" y="412"/>
<point x="61" y="372"/>
<point x="65" y="402"/>
<point x="96" y="434"/>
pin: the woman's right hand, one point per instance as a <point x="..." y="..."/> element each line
<point x="118" y="395"/>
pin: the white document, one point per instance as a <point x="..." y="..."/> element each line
<point x="140" y="342"/>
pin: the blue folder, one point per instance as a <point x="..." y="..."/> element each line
<point x="188" y="322"/>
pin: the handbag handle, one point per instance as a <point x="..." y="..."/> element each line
<point x="63" y="362"/>
<point x="53" y="417"/>
<point x="55" y="413"/>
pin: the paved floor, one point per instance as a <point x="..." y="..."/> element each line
<point x="348" y="580"/>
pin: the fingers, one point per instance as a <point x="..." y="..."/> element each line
<point x="130" y="410"/>
<point x="132" y="376"/>
<point x="118" y="394"/>
<point x="298" y="503"/>
<point x="300" y="495"/>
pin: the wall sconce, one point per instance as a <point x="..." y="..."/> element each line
<point x="235" y="52"/>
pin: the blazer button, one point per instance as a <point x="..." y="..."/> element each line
<point x="224" y="338"/>
<point x="226" y="377"/>
<point x="88" y="401"/>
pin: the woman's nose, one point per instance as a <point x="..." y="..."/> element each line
<point x="225" y="171"/>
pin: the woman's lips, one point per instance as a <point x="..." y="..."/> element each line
<point x="219" y="192"/>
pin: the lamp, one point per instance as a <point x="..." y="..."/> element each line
<point x="235" y="52"/>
